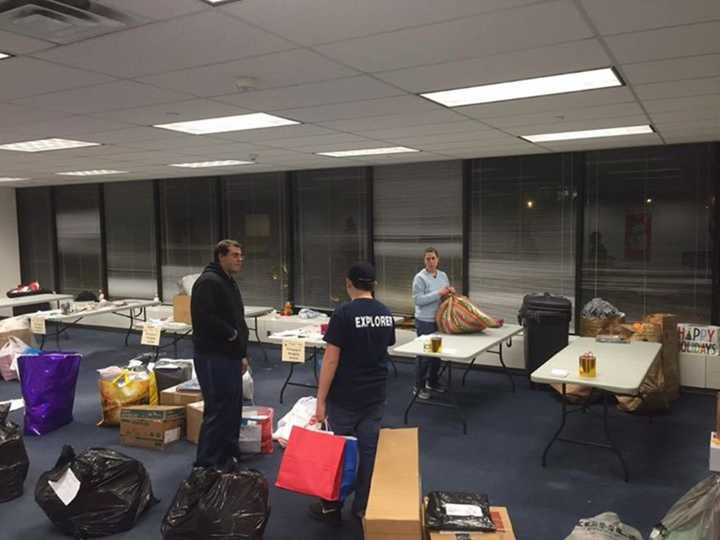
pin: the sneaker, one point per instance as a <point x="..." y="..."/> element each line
<point x="326" y="511"/>
<point x="423" y="393"/>
<point x="436" y="387"/>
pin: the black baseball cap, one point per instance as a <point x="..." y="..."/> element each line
<point x="362" y="273"/>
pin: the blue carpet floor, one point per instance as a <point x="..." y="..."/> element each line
<point x="500" y="455"/>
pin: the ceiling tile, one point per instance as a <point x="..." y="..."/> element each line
<point x="156" y="9"/>
<point x="308" y="95"/>
<point x="685" y="88"/>
<point x="618" y="16"/>
<point x="474" y="37"/>
<point x="490" y="152"/>
<point x="322" y="142"/>
<point x="311" y="22"/>
<point x="104" y="97"/>
<point x="559" y="103"/>
<point x="569" y="115"/>
<point x="193" y="109"/>
<point x="391" y="121"/>
<point x="487" y="135"/>
<point x="692" y="67"/>
<point x="574" y="56"/>
<point x="664" y="43"/>
<point x="19" y="44"/>
<point x="22" y="77"/>
<point x="270" y="134"/>
<point x="446" y="128"/>
<point x="193" y="40"/>
<point x="359" y="109"/>
<point x="683" y="104"/>
<point x="269" y="71"/>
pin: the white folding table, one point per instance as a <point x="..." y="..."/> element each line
<point x="460" y="349"/>
<point x="621" y="369"/>
<point x="34" y="299"/>
<point x="135" y="309"/>
<point x="182" y="330"/>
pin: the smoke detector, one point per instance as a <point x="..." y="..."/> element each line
<point x="244" y="84"/>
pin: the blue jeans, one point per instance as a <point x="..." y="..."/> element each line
<point x="365" y="425"/>
<point x="427" y="367"/>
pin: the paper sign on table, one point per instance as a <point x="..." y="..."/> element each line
<point x="151" y="335"/>
<point x="293" y="350"/>
<point x="37" y="325"/>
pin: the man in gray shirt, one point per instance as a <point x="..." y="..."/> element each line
<point x="430" y="287"/>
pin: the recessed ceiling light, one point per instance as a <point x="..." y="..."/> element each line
<point x="589" y="134"/>
<point x="8" y="179"/>
<point x="369" y="151"/>
<point x="218" y="2"/>
<point x="4" y="55"/>
<point x="539" y="86"/>
<point x="202" y="164"/>
<point x="96" y="172"/>
<point x="222" y="124"/>
<point x="44" y="145"/>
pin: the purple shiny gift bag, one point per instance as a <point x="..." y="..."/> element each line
<point x="48" y="384"/>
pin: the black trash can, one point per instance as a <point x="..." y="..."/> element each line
<point x="546" y="321"/>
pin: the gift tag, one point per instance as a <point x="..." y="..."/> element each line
<point x="293" y="350"/>
<point x="67" y="487"/>
<point x="37" y="325"/>
<point x="151" y="335"/>
<point x="464" y="510"/>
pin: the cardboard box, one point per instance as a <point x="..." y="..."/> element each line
<point x="181" y="309"/>
<point x="151" y="426"/>
<point x="715" y="451"/>
<point x="194" y="415"/>
<point x="394" y="511"/>
<point x="500" y="518"/>
<point x="171" y="396"/>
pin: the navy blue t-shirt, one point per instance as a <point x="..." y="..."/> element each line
<point x="363" y="330"/>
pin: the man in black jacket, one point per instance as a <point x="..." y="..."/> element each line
<point x="220" y="338"/>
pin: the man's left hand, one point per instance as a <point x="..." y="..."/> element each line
<point x="245" y="365"/>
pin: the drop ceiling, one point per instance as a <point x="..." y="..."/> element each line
<point x="351" y="72"/>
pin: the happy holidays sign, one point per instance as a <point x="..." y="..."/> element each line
<point x="699" y="339"/>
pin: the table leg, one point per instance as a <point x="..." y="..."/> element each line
<point x="414" y="395"/>
<point x="563" y="404"/>
<point x="505" y="368"/>
<point x="610" y="443"/>
<point x="453" y="400"/>
<point x="287" y="381"/>
<point x="132" y="323"/>
<point x="261" y="344"/>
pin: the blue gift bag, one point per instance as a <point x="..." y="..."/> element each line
<point x="350" y="468"/>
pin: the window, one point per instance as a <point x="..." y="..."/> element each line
<point x="647" y="243"/>
<point x="330" y="233"/>
<point x="417" y="205"/>
<point x="130" y="239"/>
<point x="78" y="238"/>
<point x="36" y="232"/>
<point x="190" y="229"/>
<point x="255" y="212"/>
<point x="523" y="230"/>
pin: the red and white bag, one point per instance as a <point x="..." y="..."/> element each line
<point x="9" y="352"/>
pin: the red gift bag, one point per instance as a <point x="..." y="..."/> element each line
<point x="312" y="464"/>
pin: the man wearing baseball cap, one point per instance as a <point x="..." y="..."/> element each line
<point x="352" y="385"/>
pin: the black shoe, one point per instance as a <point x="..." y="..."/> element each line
<point x="325" y="511"/>
<point x="423" y="393"/>
<point x="436" y="387"/>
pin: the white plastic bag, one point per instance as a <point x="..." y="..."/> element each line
<point x="299" y="415"/>
<point x="248" y="386"/>
<point x="9" y="352"/>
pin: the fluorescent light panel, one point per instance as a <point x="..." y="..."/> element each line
<point x="96" y="172"/>
<point x="369" y="151"/>
<point x="539" y="86"/>
<point x="223" y="124"/>
<point x="202" y="164"/>
<point x="4" y="55"/>
<point x="8" y="179"/>
<point x="589" y="134"/>
<point x="45" y="145"/>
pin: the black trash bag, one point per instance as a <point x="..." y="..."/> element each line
<point x="169" y="373"/>
<point x="14" y="461"/>
<point x="457" y="511"/>
<point x="114" y="492"/>
<point x="230" y="504"/>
